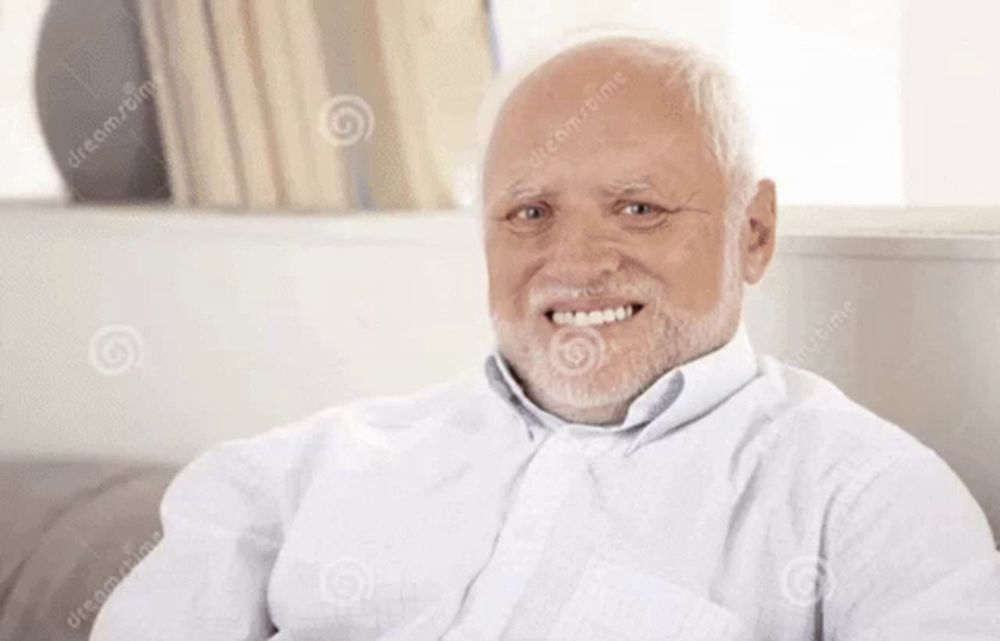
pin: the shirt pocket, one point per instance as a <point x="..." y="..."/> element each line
<point x="613" y="601"/>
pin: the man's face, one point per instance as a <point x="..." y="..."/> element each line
<point x="606" y="236"/>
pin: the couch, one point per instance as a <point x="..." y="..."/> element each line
<point x="69" y="532"/>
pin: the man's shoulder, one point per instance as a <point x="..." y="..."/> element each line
<point x="450" y="400"/>
<point x="348" y="434"/>
<point x="464" y="399"/>
<point x="824" y="426"/>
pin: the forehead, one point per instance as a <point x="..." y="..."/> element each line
<point x="601" y="116"/>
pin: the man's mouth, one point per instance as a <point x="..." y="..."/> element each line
<point x="593" y="317"/>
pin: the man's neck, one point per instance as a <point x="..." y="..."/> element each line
<point x="601" y="415"/>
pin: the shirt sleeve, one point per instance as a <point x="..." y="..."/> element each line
<point x="207" y="578"/>
<point x="912" y="557"/>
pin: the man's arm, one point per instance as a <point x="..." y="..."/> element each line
<point x="913" y="558"/>
<point x="207" y="578"/>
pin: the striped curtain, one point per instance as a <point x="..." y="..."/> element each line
<point x="317" y="104"/>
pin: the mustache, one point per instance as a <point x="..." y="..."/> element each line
<point x="541" y="296"/>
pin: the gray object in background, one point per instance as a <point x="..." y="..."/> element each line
<point x="70" y="531"/>
<point x="96" y="102"/>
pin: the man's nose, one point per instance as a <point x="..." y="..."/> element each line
<point x="582" y="254"/>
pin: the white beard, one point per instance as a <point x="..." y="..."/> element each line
<point x="583" y="378"/>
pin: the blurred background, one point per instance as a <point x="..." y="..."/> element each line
<point x="248" y="103"/>
<point x="219" y="216"/>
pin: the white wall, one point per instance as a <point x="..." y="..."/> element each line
<point x="221" y="325"/>
<point x="873" y="102"/>
<point x="525" y="24"/>
<point x="822" y="83"/>
<point x="803" y="65"/>
<point x="951" y="98"/>
<point x="26" y="170"/>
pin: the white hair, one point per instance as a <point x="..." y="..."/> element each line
<point x="713" y="91"/>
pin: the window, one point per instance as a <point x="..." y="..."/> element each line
<point x="873" y="102"/>
<point x="26" y="171"/>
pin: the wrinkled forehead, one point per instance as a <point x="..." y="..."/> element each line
<point x="593" y="109"/>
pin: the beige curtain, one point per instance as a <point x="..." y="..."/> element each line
<point x="317" y="104"/>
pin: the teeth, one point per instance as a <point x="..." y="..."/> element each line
<point x="596" y="317"/>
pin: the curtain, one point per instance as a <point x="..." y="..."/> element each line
<point x="317" y="104"/>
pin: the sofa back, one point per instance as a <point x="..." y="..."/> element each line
<point x="153" y="334"/>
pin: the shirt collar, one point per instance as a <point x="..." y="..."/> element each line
<point x="680" y="395"/>
<point x="503" y="380"/>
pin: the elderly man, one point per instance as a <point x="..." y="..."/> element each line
<point x="625" y="468"/>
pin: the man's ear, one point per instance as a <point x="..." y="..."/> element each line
<point x="760" y="225"/>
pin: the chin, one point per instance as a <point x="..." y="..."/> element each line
<point x="575" y="371"/>
<point x="612" y="386"/>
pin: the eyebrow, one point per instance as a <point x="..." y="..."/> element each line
<point x="520" y="189"/>
<point x="619" y="188"/>
<point x="629" y="186"/>
<point x="644" y="184"/>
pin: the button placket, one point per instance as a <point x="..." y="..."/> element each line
<point x="548" y="479"/>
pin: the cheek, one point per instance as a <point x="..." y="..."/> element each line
<point x="691" y="270"/>
<point x="507" y="281"/>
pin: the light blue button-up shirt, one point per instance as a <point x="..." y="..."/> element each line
<point x="739" y="499"/>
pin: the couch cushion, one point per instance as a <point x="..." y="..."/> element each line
<point x="70" y="532"/>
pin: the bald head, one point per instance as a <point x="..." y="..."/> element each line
<point x="676" y="77"/>
<point x="615" y="188"/>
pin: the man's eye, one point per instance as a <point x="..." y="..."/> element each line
<point x="640" y="209"/>
<point x="530" y="213"/>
